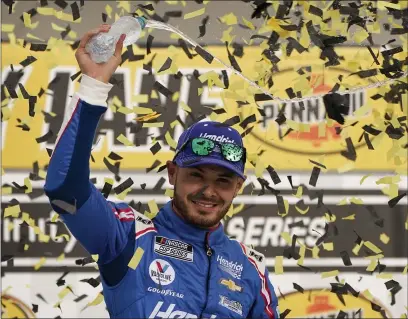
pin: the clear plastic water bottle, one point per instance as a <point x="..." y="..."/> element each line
<point x="101" y="47"/>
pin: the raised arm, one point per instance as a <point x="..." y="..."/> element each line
<point x="100" y="226"/>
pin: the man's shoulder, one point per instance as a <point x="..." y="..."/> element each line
<point x="125" y="210"/>
<point x="256" y="258"/>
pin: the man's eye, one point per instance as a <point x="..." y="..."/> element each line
<point x="195" y="175"/>
<point x="224" y="180"/>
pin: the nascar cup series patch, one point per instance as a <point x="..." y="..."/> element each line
<point x="173" y="248"/>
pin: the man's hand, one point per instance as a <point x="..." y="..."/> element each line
<point x="102" y="71"/>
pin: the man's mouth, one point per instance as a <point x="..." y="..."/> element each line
<point x="204" y="204"/>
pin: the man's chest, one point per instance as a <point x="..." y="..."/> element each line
<point x="183" y="279"/>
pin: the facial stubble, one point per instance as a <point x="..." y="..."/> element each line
<point x="200" y="220"/>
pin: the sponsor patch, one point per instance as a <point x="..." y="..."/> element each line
<point x="256" y="256"/>
<point x="232" y="268"/>
<point x="232" y="305"/>
<point x="230" y="284"/>
<point x="166" y="292"/>
<point x="161" y="272"/>
<point x="173" y="248"/>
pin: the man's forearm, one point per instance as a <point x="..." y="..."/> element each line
<point x="68" y="171"/>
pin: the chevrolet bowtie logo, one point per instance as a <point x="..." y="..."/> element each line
<point x="231" y="285"/>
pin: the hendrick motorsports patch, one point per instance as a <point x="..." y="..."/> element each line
<point x="173" y="248"/>
<point x="232" y="305"/>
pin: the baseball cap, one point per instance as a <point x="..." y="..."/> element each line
<point x="217" y="132"/>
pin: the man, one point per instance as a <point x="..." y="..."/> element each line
<point x="180" y="264"/>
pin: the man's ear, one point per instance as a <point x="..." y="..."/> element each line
<point x="239" y="186"/>
<point x="171" y="171"/>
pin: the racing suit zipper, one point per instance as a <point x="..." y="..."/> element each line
<point x="209" y="254"/>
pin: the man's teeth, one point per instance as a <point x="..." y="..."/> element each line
<point x="204" y="205"/>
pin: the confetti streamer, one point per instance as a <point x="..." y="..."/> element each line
<point x="315" y="175"/>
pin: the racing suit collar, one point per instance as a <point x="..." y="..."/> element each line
<point x="188" y="232"/>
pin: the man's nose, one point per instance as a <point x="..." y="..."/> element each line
<point x="209" y="191"/>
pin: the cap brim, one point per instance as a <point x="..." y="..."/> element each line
<point x="208" y="160"/>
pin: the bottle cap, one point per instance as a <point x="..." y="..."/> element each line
<point x="142" y="22"/>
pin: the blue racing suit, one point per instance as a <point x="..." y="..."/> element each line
<point x="177" y="269"/>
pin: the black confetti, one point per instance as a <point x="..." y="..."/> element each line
<point x="184" y="46"/>
<point x="394" y="201"/>
<point x="375" y="58"/>
<point x="61" y="3"/>
<point x="80" y="298"/>
<point x="204" y="54"/>
<point x="350" y="153"/>
<point x="249" y="119"/>
<point x="281" y="205"/>
<point x="104" y="17"/>
<point x="352" y="290"/>
<point x="162" y="89"/>
<point x="225" y="78"/>
<point x="46" y="137"/>
<point x="154" y="166"/>
<point x="346" y="258"/>
<point x="107" y="187"/>
<point x="74" y="76"/>
<point x="27" y="61"/>
<point x="371" y="130"/>
<point x="150" y="39"/>
<point x="315" y="175"/>
<point x="298" y="288"/>
<point x="39" y="296"/>
<point x="284" y="314"/>
<point x="232" y="121"/>
<point x="202" y="27"/>
<point x="37" y="47"/>
<point x="155" y="148"/>
<point x="336" y="106"/>
<point x="232" y="59"/>
<point x="123" y="186"/>
<point x="166" y="65"/>
<point x="34" y="308"/>
<point x="115" y="157"/>
<point x="318" y="164"/>
<point x="272" y="173"/>
<point x="75" y="11"/>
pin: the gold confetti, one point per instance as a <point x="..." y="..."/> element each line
<point x="169" y="192"/>
<point x="327" y="274"/>
<point x="328" y="246"/>
<point x="148" y="117"/>
<point x="137" y="257"/>
<point x="350" y="217"/>
<point x="384" y="238"/>
<point x="7" y="27"/>
<point x="299" y="192"/>
<point x="13" y="211"/>
<point x="170" y="141"/>
<point x="64" y="292"/>
<point x="194" y="14"/>
<point x="124" y="140"/>
<point x="99" y="298"/>
<point x="229" y="19"/>
<point x="40" y="263"/>
<point x="372" y="247"/>
<point x="27" y="183"/>
<point x="248" y="23"/>
<point x="279" y="265"/>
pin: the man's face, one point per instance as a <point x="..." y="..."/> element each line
<point x="203" y="194"/>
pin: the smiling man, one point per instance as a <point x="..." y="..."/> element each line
<point x="180" y="264"/>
